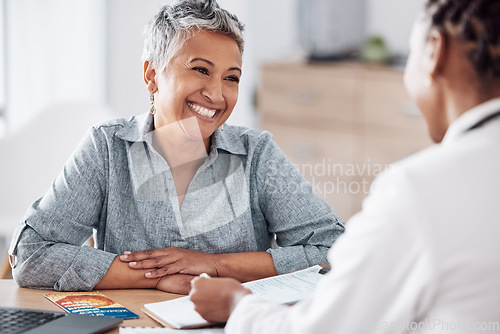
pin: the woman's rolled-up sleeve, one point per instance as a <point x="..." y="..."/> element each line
<point x="47" y="246"/>
<point x="304" y="224"/>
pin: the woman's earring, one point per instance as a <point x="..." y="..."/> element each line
<point x="428" y="81"/>
<point x="222" y="127"/>
<point x="152" y="109"/>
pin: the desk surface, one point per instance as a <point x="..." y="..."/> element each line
<point x="133" y="299"/>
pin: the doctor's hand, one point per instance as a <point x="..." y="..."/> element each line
<point x="215" y="298"/>
<point x="171" y="261"/>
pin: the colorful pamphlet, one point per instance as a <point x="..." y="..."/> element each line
<point x="90" y="303"/>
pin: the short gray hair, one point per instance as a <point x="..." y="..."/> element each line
<point x="174" y="24"/>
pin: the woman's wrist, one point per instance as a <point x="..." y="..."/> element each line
<point x="177" y="283"/>
<point x="244" y="266"/>
<point x="158" y="282"/>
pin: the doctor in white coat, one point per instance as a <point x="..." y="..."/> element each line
<point x="423" y="256"/>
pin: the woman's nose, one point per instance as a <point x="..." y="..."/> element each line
<point x="213" y="91"/>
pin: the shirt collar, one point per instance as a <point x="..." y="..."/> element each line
<point x="138" y="127"/>
<point x="228" y="140"/>
<point x="470" y="118"/>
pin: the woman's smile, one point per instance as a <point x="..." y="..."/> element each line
<point x="205" y="113"/>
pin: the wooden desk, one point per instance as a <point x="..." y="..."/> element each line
<point x="133" y="299"/>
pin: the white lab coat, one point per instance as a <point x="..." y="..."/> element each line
<point x="423" y="256"/>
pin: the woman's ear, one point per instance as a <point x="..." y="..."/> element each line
<point x="435" y="54"/>
<point x="150" y="77"/>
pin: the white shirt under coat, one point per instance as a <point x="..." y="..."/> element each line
<point x="423" y="256"/>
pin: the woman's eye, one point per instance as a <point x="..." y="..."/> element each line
<point x="202" y="70"/>
<point x="233" y="78"/>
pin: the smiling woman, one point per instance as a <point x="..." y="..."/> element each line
<point x="172" y="193"/>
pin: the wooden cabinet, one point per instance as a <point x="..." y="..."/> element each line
<point x="341" y="124"/>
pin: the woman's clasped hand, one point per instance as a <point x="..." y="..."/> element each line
<point x="171" y="261"/>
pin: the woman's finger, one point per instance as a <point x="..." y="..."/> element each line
<point x="136" y="256"/>
<point x="154" y="263"/>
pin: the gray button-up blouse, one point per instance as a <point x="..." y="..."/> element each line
<point x="246" y="197"/>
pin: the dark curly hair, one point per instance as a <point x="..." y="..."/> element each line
<point x="472" y="21"/>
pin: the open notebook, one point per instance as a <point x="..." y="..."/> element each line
<point x="283" y="289"/>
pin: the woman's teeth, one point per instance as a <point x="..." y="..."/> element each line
<point x="201" y="110"/>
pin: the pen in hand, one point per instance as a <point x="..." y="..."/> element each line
<point x="205" y="275"/>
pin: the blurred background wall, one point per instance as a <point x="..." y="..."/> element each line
<point x="55" y="51"/>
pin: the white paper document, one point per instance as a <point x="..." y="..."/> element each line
<point x="282" y="289"/>
<point x="287" y="288"/>
<point x="162" y="330"/>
